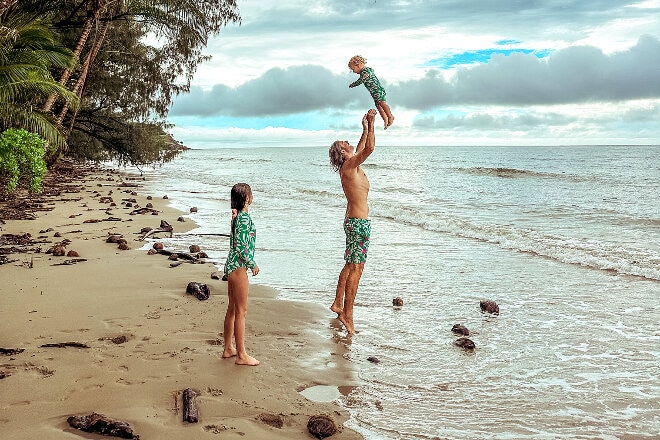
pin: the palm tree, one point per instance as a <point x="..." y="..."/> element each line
<point x="28" y="49"/>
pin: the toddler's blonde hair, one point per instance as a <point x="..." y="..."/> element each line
<point x="357" y="59"/>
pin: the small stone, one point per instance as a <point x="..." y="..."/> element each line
<point x="460" y="329"/>
<point x="124" y="246"/>
<point x="72" y="254"/>
<point x="397" y="302"/>
<point x="181" y="219"/>
<point x="373" y="359"/>
<point x="173" y="257"/>
<point x="489" y="306"/>
<point x="194" y="248"/>
<point x="152" y="251"/>
<point x="165" y="197"/>
<point x="464" y="343"/>
<point x="59" y="250"/>
<point x="158" y="246"/>
<point x="193" y="209"/>
<point x="57" y="234"/>
<point x="321" y="426"/>
<point x="113" y="239"/>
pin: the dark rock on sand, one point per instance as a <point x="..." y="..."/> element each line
<point x="158" y="246"/>
<point x="397" y="302"/>
<point x="194" y="248"/>
<point x="201" y="291"/>
<point x="321" y="426"/>
<point x="373" y="359"/>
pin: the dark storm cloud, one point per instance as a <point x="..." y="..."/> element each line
<point x="572" y="75"/>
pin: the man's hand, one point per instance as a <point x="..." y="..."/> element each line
<point x="371" y="114"/>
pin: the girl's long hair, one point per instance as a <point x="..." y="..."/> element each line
<point x="239" y="195"/>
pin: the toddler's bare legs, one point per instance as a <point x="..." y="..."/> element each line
<point x="385" y="113"/>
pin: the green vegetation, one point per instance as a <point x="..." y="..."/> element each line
<point x="102" y="73"/>
<point x="22" y="156"/>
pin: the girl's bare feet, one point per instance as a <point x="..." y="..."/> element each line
<point x="229" y="352"/>
<point x="247" y="360"/>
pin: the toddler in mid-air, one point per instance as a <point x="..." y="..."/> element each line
<point x="370" y="81"/>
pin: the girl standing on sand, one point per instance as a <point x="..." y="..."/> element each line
<point x="239" y="260"/>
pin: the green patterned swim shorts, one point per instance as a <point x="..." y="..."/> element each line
<point x="358" y="231"/>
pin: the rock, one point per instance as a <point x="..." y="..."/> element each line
<point x="373" y="359"/>
<point x="158" y="246"/>
<point x="165" y="197"/>
<point x="193" y="209"/>
<point x="464" y="343"/>
<point x="57" y="234"/>
<point x="215" y="276"/>
<point x="59" y="250"/>
<point x="152" y="251"/>
<point x="113" y="239"/>
<point x="321" y="426"/>
<point x="100" y="424"/>
<point x="124" y="246"/>
<point x="181" y="219"/>
<point x="150" y="205"/>
<point x="201" y="291"/>
<point x="202" y="255"/>
<point x="72" y="254"/>
<point x="460" y="329"/>
<point x="489" y="306"/>
<point x="145" y="230"/>
<point x="194" y="248"/>
<point x="397" y="302"/>
<point x="149" y="198"/>
<point x="173" y="257"/>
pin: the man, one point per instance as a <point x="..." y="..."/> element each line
<point x="347" y="160"/>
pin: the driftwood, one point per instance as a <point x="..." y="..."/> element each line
<point x="70" y="262"/>
<point x="144" y="211"/>
<point x="164" y="227"/>
<point x="65" y="344"/>
<point x="190" y="409"/>
<point x="184" y="255"/>
<point x="201" y="291"/>
<point x="11" y="351"/>
<point x="100" y="424"/>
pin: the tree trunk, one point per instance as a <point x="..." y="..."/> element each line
<point x="89" y="59"/>
<point x="87" y="29"/>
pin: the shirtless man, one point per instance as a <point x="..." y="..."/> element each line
<point x="347" y="160"/>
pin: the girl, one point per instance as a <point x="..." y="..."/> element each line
<point x="239" y="260"/>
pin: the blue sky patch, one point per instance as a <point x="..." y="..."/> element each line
<point x="481" y="56"/>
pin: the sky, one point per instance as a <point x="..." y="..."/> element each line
<point x="456" y="72"/>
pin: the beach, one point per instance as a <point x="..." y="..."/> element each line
<point x="114" y="332"/>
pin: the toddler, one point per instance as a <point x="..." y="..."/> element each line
<point x="370" y="81"/>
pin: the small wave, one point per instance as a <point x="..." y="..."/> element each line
<point x="594" y="254"/>
<point x="509" y="172"/>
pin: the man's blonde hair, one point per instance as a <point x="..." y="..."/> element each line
<point x="357" y="59"/>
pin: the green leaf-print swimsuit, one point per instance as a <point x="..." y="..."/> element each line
<point x="370" y="81"/>
<point x="241" y="244"/>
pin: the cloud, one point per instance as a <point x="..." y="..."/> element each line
<point x="572" y="75"/>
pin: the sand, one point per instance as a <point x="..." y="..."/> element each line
<point x="148" y="339"/>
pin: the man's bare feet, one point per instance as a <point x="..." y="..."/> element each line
<point x="230" y="352"/>
<point x="336" y="309"/>
<point x="347" y="324"/>
<point x="247" y="360"/>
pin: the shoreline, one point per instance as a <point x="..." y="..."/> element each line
<point x="145" y="339"/>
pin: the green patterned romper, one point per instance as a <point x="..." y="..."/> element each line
<point x="241" y="244"/>
<point x="370" y="81"/>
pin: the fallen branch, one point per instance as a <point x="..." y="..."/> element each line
<point x="65" y="344"/>
<point x="11" y="351"/>
<point x="69" y="262"/>
<point x="164" y="227"/>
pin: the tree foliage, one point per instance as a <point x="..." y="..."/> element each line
<point x="28" y="52"/>
<point x="149" y="53"/>
<point x="22" y="157"/>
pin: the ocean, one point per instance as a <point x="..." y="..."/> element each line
<point x="565" y="239"/>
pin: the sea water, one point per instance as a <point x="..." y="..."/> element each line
<point x="565" y="239"/>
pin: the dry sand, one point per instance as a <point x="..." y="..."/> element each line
<point x="165" y="340"/>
